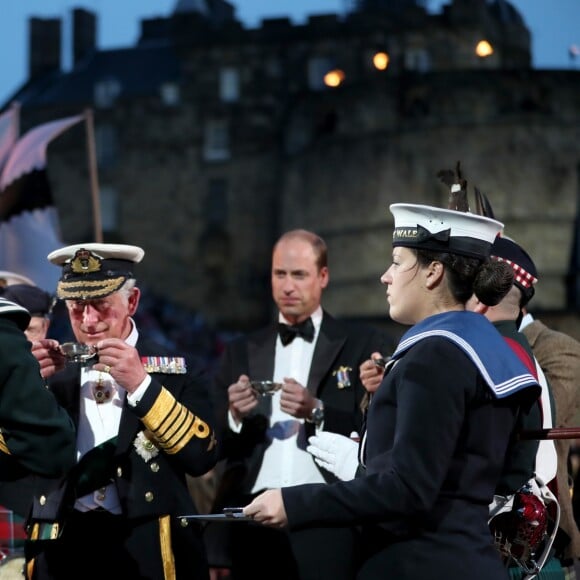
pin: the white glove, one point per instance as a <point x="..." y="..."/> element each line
<point x="335" y="453"/>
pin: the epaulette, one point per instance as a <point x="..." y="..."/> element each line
<point x="168" y="365"/>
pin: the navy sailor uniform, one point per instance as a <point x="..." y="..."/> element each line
<point x="438" y="430"/>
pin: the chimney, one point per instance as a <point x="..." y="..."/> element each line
<point x="84" y="34"/>
<point x="44" y="45"/>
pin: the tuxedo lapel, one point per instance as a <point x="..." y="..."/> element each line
<point x="330" y="341"/>
<point x="261" y="356"/>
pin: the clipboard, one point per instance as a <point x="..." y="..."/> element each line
<point x="229" y="514"/>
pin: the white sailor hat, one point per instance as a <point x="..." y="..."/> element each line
<point x="9" y="278"/>
<point x="94" y="270"/>
<point x="443" y="230"/>
<point x="15" y="312"/>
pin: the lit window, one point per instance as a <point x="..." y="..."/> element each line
<point x="483" y="49"/>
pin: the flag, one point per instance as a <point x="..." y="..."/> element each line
<point x="29" y="228"/>
<point x="29" y="153"/>
<point x="8" y="133"/>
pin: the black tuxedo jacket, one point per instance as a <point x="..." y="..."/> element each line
<point x="338" y="345"/>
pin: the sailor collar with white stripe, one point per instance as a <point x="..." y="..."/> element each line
<point x="503" y="372"/>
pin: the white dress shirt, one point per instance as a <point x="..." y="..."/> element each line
<point x="286" y="461"/>
<point x="546" y="457"/>
<point x="99" y="423"/>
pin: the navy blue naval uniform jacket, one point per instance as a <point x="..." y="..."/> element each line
<point x="435" y="450"/>
<point x="154" y="492"/>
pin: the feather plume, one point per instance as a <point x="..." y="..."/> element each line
<point x="482" y="204"/>
<point x="457" y="188"/>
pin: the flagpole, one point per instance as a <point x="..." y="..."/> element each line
<point x="92" y="160"/>
<point x="16" y="108"/>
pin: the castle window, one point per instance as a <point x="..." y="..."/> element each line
<point x="170" y="94"/>
<point x="106" y="145"/>
<point x="229" y="85"/>
<point x="417" y="59"/>
<point x="318" y="66"/>
<point x="105" y="92"/>
<point x="216" y="144"/>
<point x="109" y="198"/>
<point x="215" y="208"/>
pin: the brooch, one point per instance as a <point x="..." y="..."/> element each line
<point x="145" y="446"/>
<point x="342" y="377"/>
<point x="102" y="391"/>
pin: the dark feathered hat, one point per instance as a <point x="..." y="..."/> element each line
<point x="525" y="272"/>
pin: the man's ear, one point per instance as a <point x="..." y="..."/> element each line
<point x="475" y="305"/>
<point x="134" y="300"/>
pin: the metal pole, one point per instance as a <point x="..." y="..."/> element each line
<point x="94" y="178"/>
<point x="554" y="433"/>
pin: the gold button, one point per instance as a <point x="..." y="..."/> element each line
<point x="154" y="467"/>
<point x="42" y="500"/>
<point x="184" y="523"/>
<point x="149" y="496"/>
<point x="119" y="472"/>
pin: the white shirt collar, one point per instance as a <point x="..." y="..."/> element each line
<point x="316" y="318"/>
<point x="526" y="320"/>
<point x="131" y="340"/>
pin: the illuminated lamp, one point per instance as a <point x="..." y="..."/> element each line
<point x="381" y="60"/>
<point x="334" y="78"/>
<point x="483" y="49"/>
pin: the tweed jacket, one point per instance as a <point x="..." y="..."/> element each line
<point x="559" y="357"/>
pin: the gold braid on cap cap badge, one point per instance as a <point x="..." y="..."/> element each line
<point x="85" y="263"/>
<point x="81" y="288"/>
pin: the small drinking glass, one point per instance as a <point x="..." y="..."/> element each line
<point x="265" y="388"/>
<point x="77" y="352"/>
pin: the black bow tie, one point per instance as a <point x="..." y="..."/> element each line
<point x="288" y="333"/>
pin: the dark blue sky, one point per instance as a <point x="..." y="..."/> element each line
<point x="555" y="25"/>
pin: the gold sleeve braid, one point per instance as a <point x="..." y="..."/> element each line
<point x="166" y="551"/>
<point x="3" y="446"/>
<point x="172" y="424"/>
